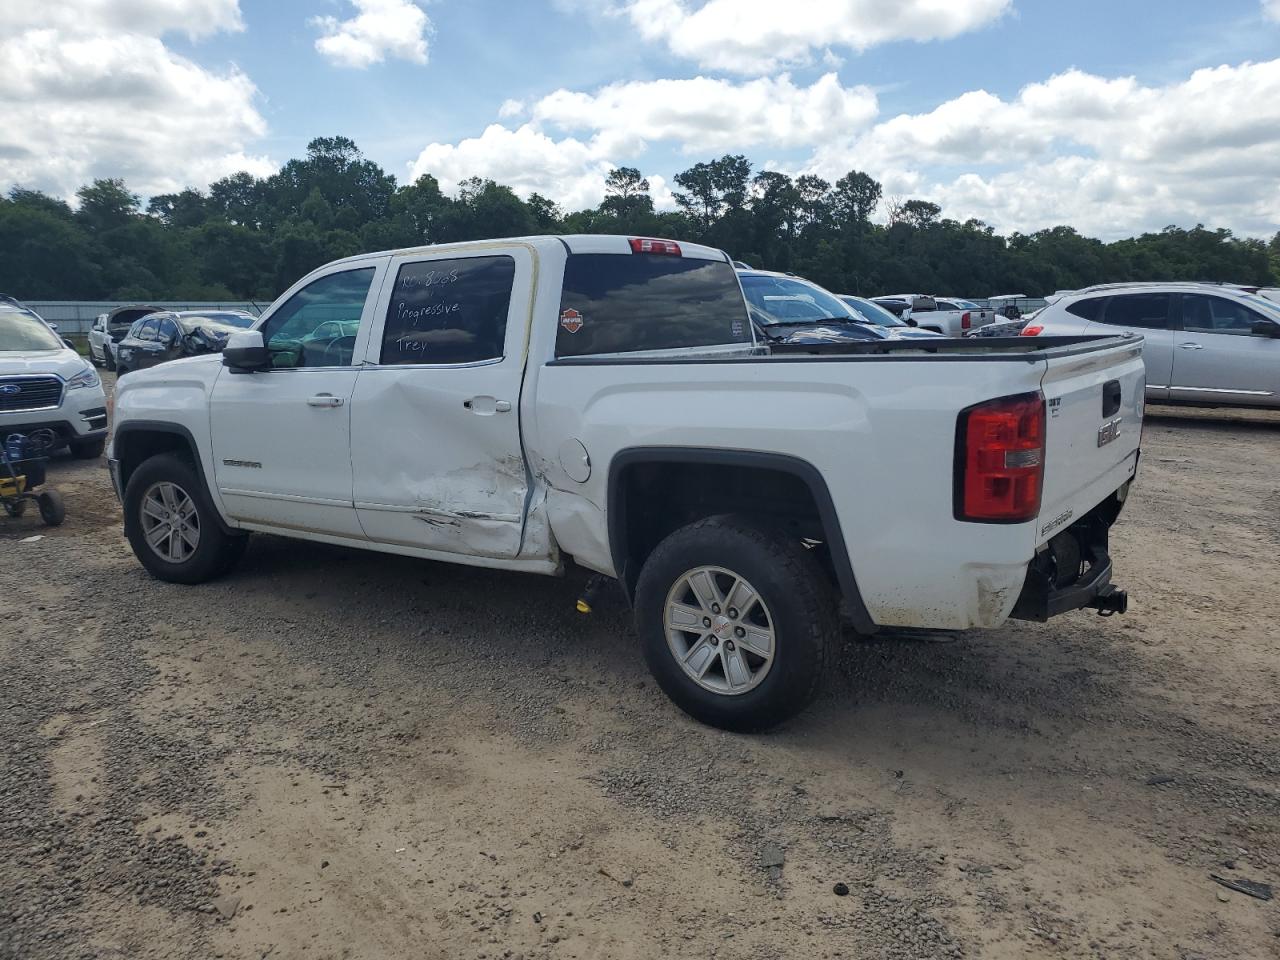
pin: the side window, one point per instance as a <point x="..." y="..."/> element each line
<point x="449" y="311"/>
<point x="145" y="330"/>
<point x="1089" y="309"/>
<point x="617" y="303"/>
<point x="317" y="326"/>
<point x="1205" y="314"/>
<point x="168" y="332"/>
<point x="1147" y="311"/>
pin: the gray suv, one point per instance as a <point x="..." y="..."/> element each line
<point x="1206" y="344"/>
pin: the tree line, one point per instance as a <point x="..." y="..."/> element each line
<point x="248" y="238"/>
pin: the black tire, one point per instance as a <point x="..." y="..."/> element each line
<point x="120" y="371"/>
<point x="88" y="449"/>
<point x="216" y="551"/>
<point x="108" y="359"/>
<point x="15" y="508"/>
<point x="52" y="508"/>
<point x="792" y="585"/>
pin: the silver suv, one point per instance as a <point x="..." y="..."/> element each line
<point x="1206" y="344"/>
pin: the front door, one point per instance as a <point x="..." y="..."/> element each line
<point x="282" y="437"/>
<point x="435" y="419"/>
<point x="1218" y="357"/>
<point x="1150" y="316"/>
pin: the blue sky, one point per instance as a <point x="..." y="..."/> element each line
<point x="1023" y="113"/>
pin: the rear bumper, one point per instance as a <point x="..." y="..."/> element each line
<point x="1074" y="571"/>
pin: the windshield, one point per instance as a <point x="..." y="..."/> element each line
<point x="20" y="331"/>
<point x="788" y="300"/>
<point x="219" y="323"/>
<point x="872" y="312"/>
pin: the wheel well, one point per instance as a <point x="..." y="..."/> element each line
<point x="654" y="493"/>
<point x="135" y="447"/>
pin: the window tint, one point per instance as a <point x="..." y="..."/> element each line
<point x="145" y="330"/>
<point x="1204" y="314"/>
<point x="449" y="311"/>
<point x="616" y="303"/>
<point x="1089" y="309"/>
<point x="168" y="330"/>
<point x="1148" y="311"/>
<point x="317" y="326"/>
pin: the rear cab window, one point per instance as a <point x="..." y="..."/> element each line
<point x="617" y="303"/>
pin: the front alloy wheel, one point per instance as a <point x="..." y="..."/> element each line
<point x="173" y="526"/>
<point x="170" y="522"/>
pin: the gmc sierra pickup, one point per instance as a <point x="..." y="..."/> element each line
<point x="607" y="401"/>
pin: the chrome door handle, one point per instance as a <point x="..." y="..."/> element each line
<point x="487" y="406"/>
<point x="1191" y="346"/>
<point x="324" y="400"/>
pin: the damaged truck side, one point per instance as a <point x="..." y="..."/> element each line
<point x="521" y="404"/>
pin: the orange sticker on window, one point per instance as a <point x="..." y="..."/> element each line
<point x="571" y="320"/>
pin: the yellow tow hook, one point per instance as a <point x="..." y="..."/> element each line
<point x="590" y="592"/>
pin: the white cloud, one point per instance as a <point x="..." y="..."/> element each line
<point x="757" y="36"/>
<point x="380" y="29"/>
<point x="1109" y="156"/>
<point x="700" y="115"/>
<point x="568" y="171"/>
<point x="1271" y="10"/>
<point x="705" y="114"/>
<point x="81" y="99"/>
<point x="147" y="17"/>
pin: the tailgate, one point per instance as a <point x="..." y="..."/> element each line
<point x="1094" y="400"/>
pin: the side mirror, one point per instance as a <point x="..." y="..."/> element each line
<point x="911" y="322"/>
<point x="69" y="344"/>
<point x="1265" y="328"/>
<point x="245" y="352"/>
<point x="52" y="326"/>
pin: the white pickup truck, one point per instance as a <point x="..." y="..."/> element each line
<point x="604" y="400"/>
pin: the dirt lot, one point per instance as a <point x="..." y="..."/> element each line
<point x="339" y="754"/>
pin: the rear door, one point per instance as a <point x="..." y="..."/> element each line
<point x="1219" y="359"/>
<point x="1150" y="316"/>
<point x="435" y="420"/>
<point x="1093" y="429"/>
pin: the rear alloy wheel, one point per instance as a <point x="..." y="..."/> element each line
<point x="736" y="622"/>
<point x="172" y="526"/>
<point x="719" y="630"/>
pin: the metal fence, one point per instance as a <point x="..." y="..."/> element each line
<point x="75" y="317"/>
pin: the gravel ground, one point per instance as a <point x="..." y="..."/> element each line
<point x="338" y="754"/>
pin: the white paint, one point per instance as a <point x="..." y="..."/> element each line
<point x="432" y="478"/>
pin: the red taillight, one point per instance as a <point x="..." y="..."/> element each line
<point x="1000" y="460"/>
<point x="1033" y="331"/>
<point x="668" y="248"/>
<point x="965" y="322"/>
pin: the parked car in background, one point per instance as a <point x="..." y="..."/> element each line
<point x="48" y="392"/>
<point x="110" y="328"/>
<point x="899" y="308"/>
<point x="788" y="309"/>
<point x="981" y="315"/>
<point x="890" y="325"/>
<point x="1206" y="344"/>
<point x="160" y="337"/>
<point x="944" y="316"/>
